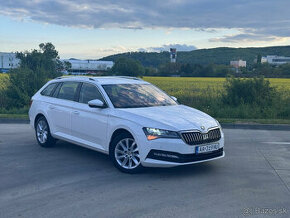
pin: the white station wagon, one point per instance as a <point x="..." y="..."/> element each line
<point x="134" y="122"/>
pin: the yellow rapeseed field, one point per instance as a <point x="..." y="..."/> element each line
<point x="197" y="86"/>
<point x="190" y="86"/>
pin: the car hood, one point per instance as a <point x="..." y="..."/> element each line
<point x="177" y="118"/>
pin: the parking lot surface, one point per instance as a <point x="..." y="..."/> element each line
<point x="253" y="180"/>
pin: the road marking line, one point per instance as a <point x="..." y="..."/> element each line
<point x="279" y="143"/>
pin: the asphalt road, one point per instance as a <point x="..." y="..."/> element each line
<point x="253" y="180"/>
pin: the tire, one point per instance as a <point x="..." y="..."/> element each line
<point x="125" y="155"/>
<point x="42" y="133"/>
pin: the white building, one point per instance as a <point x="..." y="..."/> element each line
<point x="275" y="60"/>
<point x="87" y="66"/>
<point x="8" y="61"/>
<point x="238" y="64"/>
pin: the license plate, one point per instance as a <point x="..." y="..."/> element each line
<point x="206" y="148"/>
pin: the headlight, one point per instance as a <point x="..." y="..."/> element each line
<point x="153" y="133"/>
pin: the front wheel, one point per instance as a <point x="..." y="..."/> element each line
<point x="42" y="133"/>
<point x="124" y="153"/>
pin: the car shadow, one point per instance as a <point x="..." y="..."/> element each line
<point x="193" y="169"/>
<point x="83" y="154"/>
<point x="103" y="161"/>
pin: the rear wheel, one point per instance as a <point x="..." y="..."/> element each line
<point x="124" y="152"/>
<point x="42" y="133"/>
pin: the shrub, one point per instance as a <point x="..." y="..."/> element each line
<point x="23" y="84"/>
<point x="36" y="67"/>
<point x="255" y="91"/>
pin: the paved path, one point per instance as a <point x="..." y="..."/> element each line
<point x="71" y="181"/>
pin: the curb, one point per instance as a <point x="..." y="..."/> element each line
<point x="15" y="121"/>
<point x="224" y="125"/>
<point x="256" y="126"/>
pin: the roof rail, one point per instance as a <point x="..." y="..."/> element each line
<point x="62" y="77"/>
<point x="129" y="77"/>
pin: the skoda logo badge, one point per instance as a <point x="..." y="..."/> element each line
<point x="205" y="136"/>
<point x="202" y="127"/>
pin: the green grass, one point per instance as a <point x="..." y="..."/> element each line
<point x="254" y="121"/>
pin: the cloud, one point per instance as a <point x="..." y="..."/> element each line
<point x="266" y="19"/>
<point x="179" y="47"/>
<point x="244" y="37"/>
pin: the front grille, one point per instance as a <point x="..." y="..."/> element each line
<point x="195" y="138"/>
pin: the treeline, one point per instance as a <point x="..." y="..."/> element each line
<point x="218" y="56"/>
<point x="130" y="67"/>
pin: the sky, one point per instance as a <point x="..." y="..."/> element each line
<point x="91" y="29"/>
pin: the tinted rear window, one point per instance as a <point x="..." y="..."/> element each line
<point x="49" y="89"/>
<point x="68" y="90"/>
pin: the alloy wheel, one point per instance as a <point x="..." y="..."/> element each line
<point x="127" y="153"/>
<point x="42" y="131"/>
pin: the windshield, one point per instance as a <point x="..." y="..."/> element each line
<point x="137" y="95"/>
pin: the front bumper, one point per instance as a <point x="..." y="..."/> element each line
<point x="174" y="152"/>
<point x="183" y="158"/>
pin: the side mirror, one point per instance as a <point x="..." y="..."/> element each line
<point x="174" y="98"/>
<point x="96" y="103"/>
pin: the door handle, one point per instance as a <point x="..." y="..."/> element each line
<point x="76" y="112"/>
<point x="51" y="107"/>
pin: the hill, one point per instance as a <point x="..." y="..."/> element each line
<point x="222" y="55"/>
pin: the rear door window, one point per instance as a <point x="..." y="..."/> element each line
<point x="68" y="91"/>
<point x="48" y="91"/>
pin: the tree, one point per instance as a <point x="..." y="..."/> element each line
<point x="127" y="67"/>
<point x="169" y="69"/>
<point x="222" y="70"/>
<point x="36" y="68"/>
<point x="259" y="59"/>
<point x="151" y="71"/>
<point x="24" y="82"/>
<point x="45" y="58"/>
<point x="66" y="65"/>
<point x="186" y="70"/>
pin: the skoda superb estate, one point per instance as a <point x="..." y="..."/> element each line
<point x="134" y="122"/>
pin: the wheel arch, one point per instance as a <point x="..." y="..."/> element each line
<point x="37" y="117"/>
<point x="118" y="132"/>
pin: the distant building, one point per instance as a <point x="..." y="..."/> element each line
<point x="8" y="61"/>
<point x="173" y="55"/>
<point x="88" y="66"/>
<point x="264" y="60"/>
<point x="275" y="60"/>
<point x="238" y="64"/>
